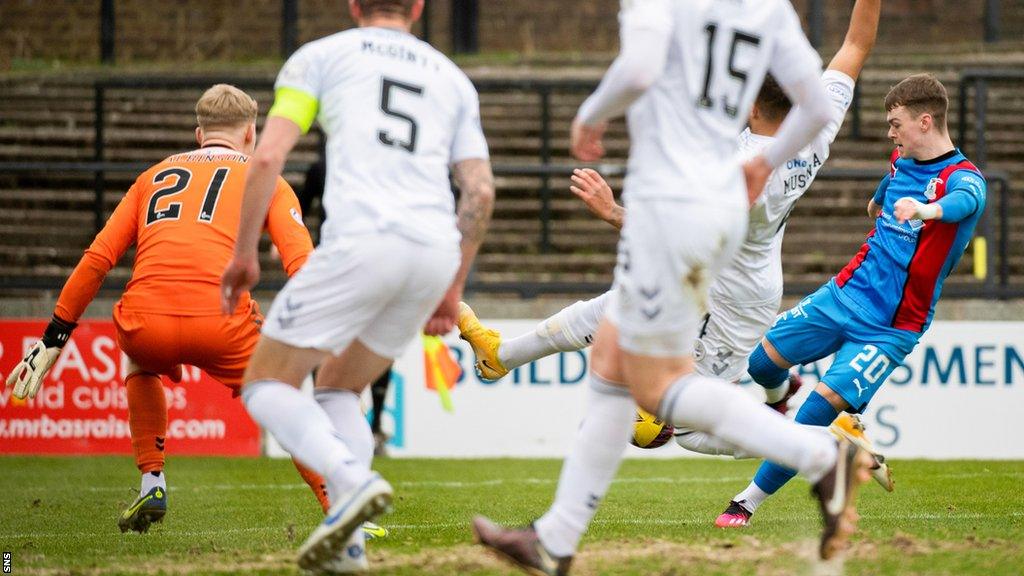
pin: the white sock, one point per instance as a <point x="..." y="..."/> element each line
<point x="588" y="470"/>
<point x="305" y="431"/>
<point x="346" y="414"/>
<point x="778" y="393"/>
<point x="723" y="410"/>
<point x="751" y="498"/>
<point x="571" y="328"/>
<point x="704" y="443"/>
<point x="151" y="480"/>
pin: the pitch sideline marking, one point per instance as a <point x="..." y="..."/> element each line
<point x="500" y="481"/>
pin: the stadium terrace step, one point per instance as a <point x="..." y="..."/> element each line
<point x="561" y="277"/>
<point x="47" y="119"/>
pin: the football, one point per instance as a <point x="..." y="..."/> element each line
<point x="649" y="431"/>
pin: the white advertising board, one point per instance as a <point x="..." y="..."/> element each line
<point x="960" y="394"/>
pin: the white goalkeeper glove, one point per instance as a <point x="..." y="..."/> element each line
<point x="28" y="375"/>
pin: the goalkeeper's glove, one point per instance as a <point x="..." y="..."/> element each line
<point x="28" y="375"/>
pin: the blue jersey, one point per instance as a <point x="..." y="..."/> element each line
<point x="897" y="275"/>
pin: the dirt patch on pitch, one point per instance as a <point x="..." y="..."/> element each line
<point x="748" y="555"/>
<point x="649" y="557"/>
<point x="225" y="563"/>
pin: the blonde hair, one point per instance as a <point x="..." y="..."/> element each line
<point x="224" y="106"/>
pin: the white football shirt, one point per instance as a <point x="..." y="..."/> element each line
<point x="683" y="129"/>
<point x="755" y="274"/>
<point x="397" y="114"/>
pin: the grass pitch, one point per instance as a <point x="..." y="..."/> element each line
<point x="247" y="516"/>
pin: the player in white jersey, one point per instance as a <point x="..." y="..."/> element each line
<point x="688" y="72"/>
<point x="745" y="298"/>
<point x="398" y="116"/>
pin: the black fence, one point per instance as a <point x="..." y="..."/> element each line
<point x="995" y="228"/>
<point x="545" y="89"/>
<point x="978" y="80"/>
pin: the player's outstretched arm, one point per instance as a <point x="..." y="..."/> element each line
<point x="907" y="208"/>
<point x="106" y="249"/>
<point x="795" y="65"/>
<point x="476" y="202"/>
<point x="645" y="39"/>
<point x="28" y="375"/>
<point x="590" y="187"/>
<point x="860" y="38"/>
<point x="243" y="272"/>
<point x="811" y="112"/>
<point x="966" y="196"/>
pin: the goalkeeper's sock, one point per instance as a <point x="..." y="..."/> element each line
<point x="595" y="456"/>
<point x="346" y="414"/>
<point x="730" y="414"/>
<point x="152" y="480"/>
<point x="305" y="431"/>
<point x="147" y="420"/>
<point x="316" y="483"/>
<point x="570" y="329"/>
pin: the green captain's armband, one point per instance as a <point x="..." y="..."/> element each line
<point x="295" y="105"/>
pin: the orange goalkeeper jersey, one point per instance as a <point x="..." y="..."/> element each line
<point x="183" y="214"/>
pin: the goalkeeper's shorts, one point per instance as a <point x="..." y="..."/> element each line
<point x="218" y="345"/>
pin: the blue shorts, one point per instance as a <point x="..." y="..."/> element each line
<point x="866" y="352"/>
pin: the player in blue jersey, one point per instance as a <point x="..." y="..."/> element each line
<point x="872" y="314"/>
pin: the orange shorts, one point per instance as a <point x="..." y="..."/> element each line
<point x="218" y="345"/>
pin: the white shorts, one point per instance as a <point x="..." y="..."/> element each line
<point x="669" y="253"/>
<point x="731" y="332"/>
<point x="378" y="288"/>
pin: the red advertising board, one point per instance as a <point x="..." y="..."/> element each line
<point x="82" y="406"/>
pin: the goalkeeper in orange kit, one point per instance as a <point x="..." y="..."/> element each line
<point x="183" y="215"/>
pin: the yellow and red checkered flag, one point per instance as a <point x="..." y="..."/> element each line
<point x="441" y="370"/>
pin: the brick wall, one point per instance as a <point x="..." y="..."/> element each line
<point x="49" y="29"/>
<point x="194" y="30"/>
<point x="538" y="25"/>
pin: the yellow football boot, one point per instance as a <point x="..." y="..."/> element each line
<point x="849" y="426"/>
<point x="485" y="343"/>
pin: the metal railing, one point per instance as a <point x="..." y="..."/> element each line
<point x="979" y="79"/>
<point x="994" y="285"/>
<point x="545" y="89"/>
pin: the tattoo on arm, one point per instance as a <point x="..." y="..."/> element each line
<point x="617" y="217"/>
<point x="476" y="183"/>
